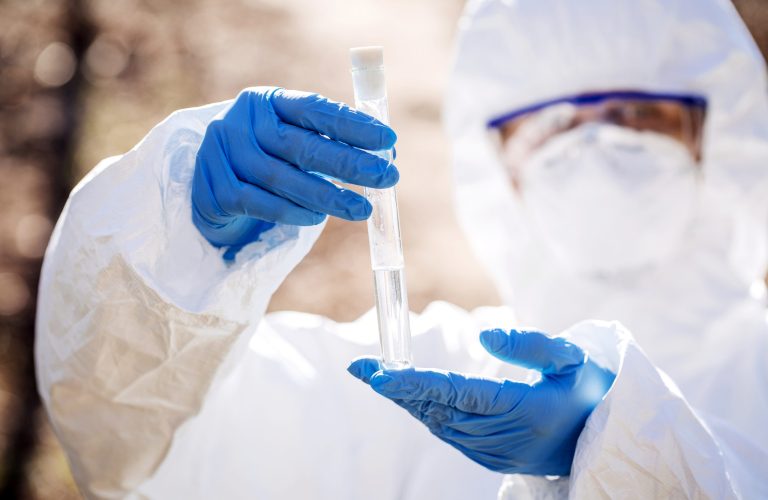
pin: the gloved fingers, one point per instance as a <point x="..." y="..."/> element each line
<point x="503" y="443"/>
<point x="449" y="417"/>
<point x="414" y="408"/>
<point x="472" y="424"/>
<point x="252" y="201"/>
<point x="333" y="119"/>
<point x="533" y="350"/>
<point x="312" y="152"/>
<point x="303" y="189"/>
<point x="469" y="394"/>
<point x="363" y="368"/>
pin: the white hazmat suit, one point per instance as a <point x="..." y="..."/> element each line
<point x="163" y="378"/>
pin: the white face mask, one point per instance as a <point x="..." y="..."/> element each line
<point x="607" y="199"/>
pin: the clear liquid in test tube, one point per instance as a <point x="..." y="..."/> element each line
<point x="384" y="224"/>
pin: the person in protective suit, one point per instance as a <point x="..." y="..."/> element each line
<point x="610" y="163"/>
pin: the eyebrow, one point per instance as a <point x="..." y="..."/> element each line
<point x="691" y="100"/>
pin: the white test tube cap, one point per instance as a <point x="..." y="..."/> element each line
<point x="363" y="58"/>
<point x="368" y="72"/>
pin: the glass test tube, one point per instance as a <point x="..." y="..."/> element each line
<point x="384" y="224"/>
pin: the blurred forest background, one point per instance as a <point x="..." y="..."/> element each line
<point x="82" y="80"/>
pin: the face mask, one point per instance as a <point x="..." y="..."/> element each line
<point x="607" y="199"/>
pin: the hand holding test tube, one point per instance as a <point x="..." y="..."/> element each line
<point x="384" y="224"/>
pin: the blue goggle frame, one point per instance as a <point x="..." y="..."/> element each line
<point x="690" y="100"/>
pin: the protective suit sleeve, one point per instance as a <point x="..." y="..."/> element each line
<point x="643" y="441"/>
<point x="138" y="314"/>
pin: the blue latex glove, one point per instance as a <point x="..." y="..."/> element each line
<point x="255" y="165"/>
<point x="505" y="426"/>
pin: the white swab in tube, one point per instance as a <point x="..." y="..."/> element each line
<point x="384" y="224"/>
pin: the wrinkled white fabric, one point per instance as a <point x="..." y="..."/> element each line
<point x="592" y="193"/>
<point x="700" y="315"/>
<point x="138" y="313"/>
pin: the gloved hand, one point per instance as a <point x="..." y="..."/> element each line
<point x="254" y="167"/>
<point x="505" y="426"/>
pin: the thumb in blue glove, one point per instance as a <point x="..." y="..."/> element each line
<point x="503" y="425"/>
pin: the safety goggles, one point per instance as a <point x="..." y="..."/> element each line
<point x="679" y="116"/>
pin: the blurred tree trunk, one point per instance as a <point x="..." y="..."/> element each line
<point x="47" y="153"/>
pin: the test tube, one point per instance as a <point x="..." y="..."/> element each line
<point x="384" y="224"/>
